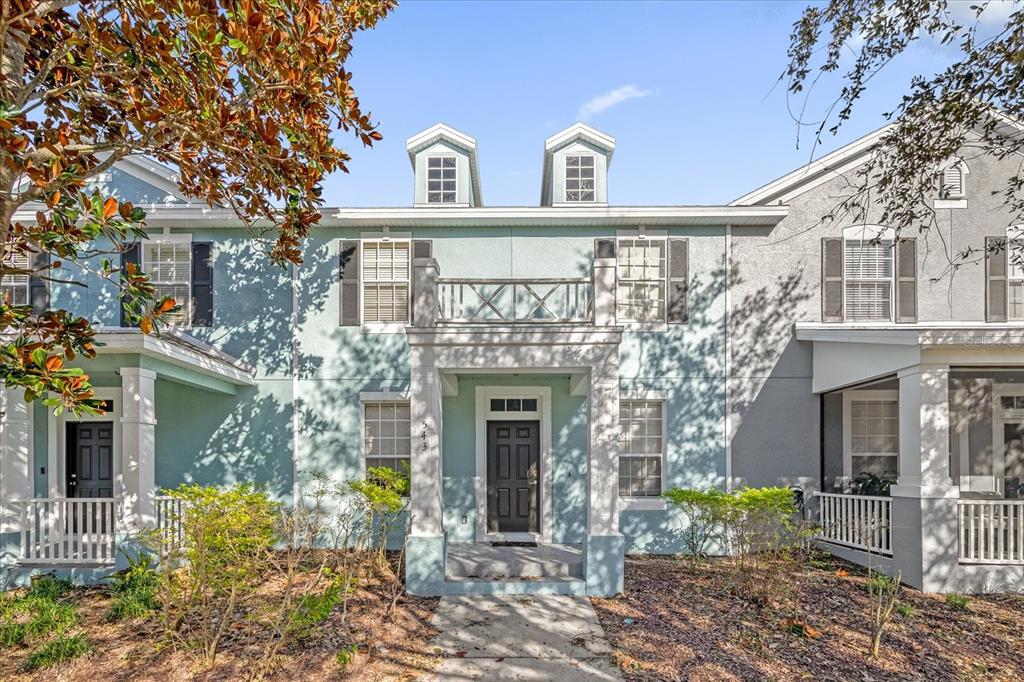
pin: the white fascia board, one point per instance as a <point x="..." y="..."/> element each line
<point x="929" y="334"/>
<point x="580" y="130"/>
<point x="213" y="363"/>
<point x="822" y="170"/>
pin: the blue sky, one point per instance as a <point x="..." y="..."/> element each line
<point x="695" y="108"/>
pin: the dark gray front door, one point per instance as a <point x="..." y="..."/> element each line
<point x="513" y="473"/>
<point x="90" y="459"/>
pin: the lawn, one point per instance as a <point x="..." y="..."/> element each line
<point x="386" y="647"/>
<point x="675" y="622"/>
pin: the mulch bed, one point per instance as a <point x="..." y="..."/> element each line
<point x="678" y="623"/>
<point x="388" y="649"/>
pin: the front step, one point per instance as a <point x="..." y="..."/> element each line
<point x="566" y="586"/>
<point x="484" y="561"/>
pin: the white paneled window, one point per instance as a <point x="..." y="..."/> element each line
<point x="385" y="280"/>
<point x="15" y="287"/>
<point x="579" y="178"/>
<point x="441" y="179"/>
<point x="640" y="294"/>
<point x="386" y="435"/>
<point x="868" y="279"/>
<point x="169" y="266"/>
<point x="872" y="424"/>
<point x="641" y="447"/>
<point x="1015" y="275"/>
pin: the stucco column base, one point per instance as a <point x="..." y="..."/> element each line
<point x="925" y="541"/>
<point x="603" y="557"/>
<point x="425" y="565"/>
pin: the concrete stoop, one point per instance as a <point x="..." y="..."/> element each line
<point x="480" y="568"/>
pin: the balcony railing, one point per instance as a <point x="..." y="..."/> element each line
<point x="506" y="301"/>
<point x="857" y="521"/>
<point x="75" y="530"/>
<point x="991" y="531"/>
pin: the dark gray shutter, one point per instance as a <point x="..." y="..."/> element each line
<point x="832" y="279"/>
<point x="202" y="284"/>
<point x="348" y="273"/>
<point x="678" y="281"/>
<point x="604" y="248"/>
<point x="422" y="248"/>
<point x="38" y="291"/>
<point x="131" y="254"/>
<point x="995" y="279"/>
<point x="906" y="280"/>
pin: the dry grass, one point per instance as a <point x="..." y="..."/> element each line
<point x="677" y="624"/>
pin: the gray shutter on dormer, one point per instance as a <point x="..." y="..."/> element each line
<point x="38" y="290"/>
<point x="995" y="279"/>
<point x="348" y="274"/>
<point x="832" y="279"/>
<point x="678" y="281"/>
<point x="906" y="280"/>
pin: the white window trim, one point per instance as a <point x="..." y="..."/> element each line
<point x="865" y="233"/>
<point x="565" y="180"/>
<point x="1000" y="417"/>
<point x="426" y="180"/>
<point x="383" y="327"/>
<point x="27" y="286"/>
<point x="632" y="503"/>
<point x="169" y="238"/>
<point x="653" y="235"/>
<point x="483" y="415"/>
<point x="378" y="397"/>
<point x="848" y="397"/>
<point x="1014" y="233"/>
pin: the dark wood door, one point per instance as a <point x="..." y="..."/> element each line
<point x="90" y="459"/>
<point x="513" y="475"/>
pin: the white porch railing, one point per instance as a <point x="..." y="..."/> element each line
<point x="74" y="530"/>
<point x="857" y="521"/>
<point x="169" y="512"/>
<point x="503" y="301"/>
<point x="991" y="531"/>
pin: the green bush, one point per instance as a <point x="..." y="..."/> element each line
<point x="705" y="512"/>
<point x="35" y="614"/>
<point x="958" y="602"/>
<point x="134" y="589"/>
<point x="58" y="650"/>
<point x="49" y="587"/>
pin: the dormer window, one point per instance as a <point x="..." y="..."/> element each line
<point x="441" y="179"/>
<point x="579" y="178"/>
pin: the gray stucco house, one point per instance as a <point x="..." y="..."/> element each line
<point x="548" y="371"/>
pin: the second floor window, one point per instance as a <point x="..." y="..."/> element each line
<point x="868" y="276"/>
<point x="169" y="266"/>
<point x="441" y="180"/>
<point x="1015" y="277"/>
<point x="15" y="288"/>
<point x="579" y="178"/>
<point x="640" y="291"/>
<point x="385" y="279"/>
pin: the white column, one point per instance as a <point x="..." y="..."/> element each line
<point x="138" y="447"/>
<point x="424" y="303"/>
<point x="425" y="474"/>
<point x="15" y="458"/>
<point x="924" y="432"/>
<point x="603" y="469"/>
<point x="604" y="291"/>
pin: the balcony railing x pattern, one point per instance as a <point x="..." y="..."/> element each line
<point x="506" y="301"/>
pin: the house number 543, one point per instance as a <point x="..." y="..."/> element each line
<point x="423" y="436"/>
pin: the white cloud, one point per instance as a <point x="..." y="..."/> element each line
<point x="610" y="99"/>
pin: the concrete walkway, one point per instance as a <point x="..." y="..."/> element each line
<point x="543" y="637"/>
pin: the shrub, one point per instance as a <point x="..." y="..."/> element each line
<point x="49" y="587"/>
<point x="958" y="602"/>
<point x="36" y="614"/>
<point x="58" y="650"/>
<point x="135" y="589"/>
<point x="705" y="514"/>
<point x="884" y="592"/>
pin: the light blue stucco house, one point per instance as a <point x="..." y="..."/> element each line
<point x="547" y="371"/>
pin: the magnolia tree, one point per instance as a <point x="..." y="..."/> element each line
<point x="244" y="98"/>
<point x="975" y="105"/>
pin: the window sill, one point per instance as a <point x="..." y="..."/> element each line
<point x="642" y="504"/>
<point x="644" y="326"/>
<point x="385" y="328"/>
<point x="950" y="203"/>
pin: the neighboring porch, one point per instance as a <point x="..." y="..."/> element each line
<point x="923" y="449"/>
<point x="75" y="489"/>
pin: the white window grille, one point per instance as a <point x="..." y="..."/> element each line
<point x="641" y="447"/>
<point x="873" y="440"/>
<point x="1014" y="274"/>
<point x="868" y="276"/>
<point x="386" y="275"/>
<point x="15" y="288"/>
<point x="579" y="178"/>
<point x="386" y="435"/>
<point x="441" y="179"/>
<point x="169" y="266"/>
<point x="640" y="293"/>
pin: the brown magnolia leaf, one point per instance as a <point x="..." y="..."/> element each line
<point x="54" y="363"/>
<point x="109" y="207"/>
<point x="146" y="325"/>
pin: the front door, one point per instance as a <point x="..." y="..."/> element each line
<point x="513" y="476"/>
<point x="90" y="459"/>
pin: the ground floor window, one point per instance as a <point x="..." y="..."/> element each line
<point x="873" y="433"/>
<point x="641" y="447"/>
<point x="386" y="434"/>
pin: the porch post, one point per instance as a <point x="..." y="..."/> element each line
<point x="424" y="303"/>
<point x="924" y="523"/>
<point x="605" y="546"/>
<point x="604" y="291"/>
<point x="425" y="549"/>
<point x="16" y="467"/>
<point x="138" y="449"/>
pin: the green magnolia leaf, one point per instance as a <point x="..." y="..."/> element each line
<point x="39" y="357"/>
